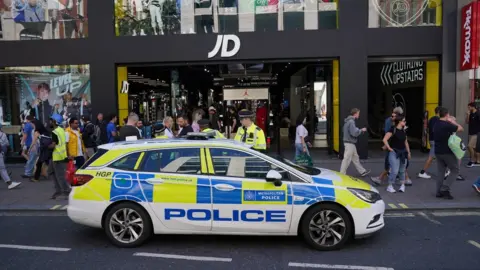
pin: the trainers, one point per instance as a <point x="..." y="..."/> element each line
<point x="476" y="164"/>
<point x="14" y="185"/>
<point x="55" y="195"/>
<point x="402" y="188"/>
<point x="460" y="178"/>
<point x="365" y="173"/>
<point x="476" y="187"/>
<point x="391" y="189"/>
<point x="424" y="175"/>
<point x="376" y="180"/>
<point x="408" y="182"/>
<point x="469" y="164"/>
<point x="447" y="173"/>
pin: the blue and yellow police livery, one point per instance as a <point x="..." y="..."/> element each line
<point x="135" y="189"/>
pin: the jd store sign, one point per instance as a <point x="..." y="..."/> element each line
<point x="222" y="46"/>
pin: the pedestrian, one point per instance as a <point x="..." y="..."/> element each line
<point x="249" y="133"/>
<point x="89" y="136"/>
<point x="140" y="128"/>
<point x="75" y="147"/>
<point x="447" y="171"/>
<point x="4" y="143"/>
<point x="395" y="140"/>
<point x="431" y="123"/>
<point x="185" y="128"/>
<point x="28" y="133"/>
<point x="130" y="131"/>
<point x="350" y="136"/>
<point x="214" y="120"/>
<point x="443" y="129"/>
<point x="168" y="123"/>
<point x="301" y="134"/>
<point x="59" y="158"/>
<point x="102" y="125"/>
<point x="112" y="128"/>
<point x="473" y="120"/>
<point x="204" y="125"/>
<point x="388" y="125"/>
<point x="41" y="144"/>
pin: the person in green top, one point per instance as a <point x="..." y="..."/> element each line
<point x="205" y="127"/>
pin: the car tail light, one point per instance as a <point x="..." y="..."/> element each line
<point x="81" y="179"/>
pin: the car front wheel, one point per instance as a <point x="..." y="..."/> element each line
<point x="326" y="227"/>
<point x="127" y="225"/>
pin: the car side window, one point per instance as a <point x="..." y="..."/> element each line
<point x="234" y="163"/>
<point x="126" y="163"/>
<point x="175" y="160"/>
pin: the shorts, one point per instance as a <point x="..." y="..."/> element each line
<point x="472" y="141"/>
<point x="432" y="149"/>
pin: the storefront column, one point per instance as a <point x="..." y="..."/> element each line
<point x="354" y="69"/>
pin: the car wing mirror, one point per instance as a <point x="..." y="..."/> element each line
<point x="275" y="177"/>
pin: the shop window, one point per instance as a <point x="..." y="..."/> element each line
<point x="402" y="13"/>
<point x="184" y="161"/>
<point x="158" y="17"/>
<point x="40" y="92"/>
<point x="43" y="19"/>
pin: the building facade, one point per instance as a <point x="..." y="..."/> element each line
<point x="82" y="43"/>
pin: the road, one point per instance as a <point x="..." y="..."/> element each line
<point x="417" y="240"/>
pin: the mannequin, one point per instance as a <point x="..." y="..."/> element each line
<point x="155" y="7"/>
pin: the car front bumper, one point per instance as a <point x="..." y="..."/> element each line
<point x="368" y="220"/>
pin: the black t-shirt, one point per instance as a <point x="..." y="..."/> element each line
<point x="397" y="141"/>
<point x="474" y="123"/>
<point x="443" y="130"/>
<point x="431" y="124"/>
<point x="128" y="131"/>
<point x="185" y="131"/>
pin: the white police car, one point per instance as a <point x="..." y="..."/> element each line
<point x="138" y="188"/>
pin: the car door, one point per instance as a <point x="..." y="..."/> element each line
<point x="181" y="194"/>
<point x="243" y="201"/>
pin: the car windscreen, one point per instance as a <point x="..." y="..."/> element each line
<point x="304" y="169"/>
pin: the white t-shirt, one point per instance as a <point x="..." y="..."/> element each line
<point x="168" y="133"/>
<point x="301" y="132"/>
<point x="79" y="142"/>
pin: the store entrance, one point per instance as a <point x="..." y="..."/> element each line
<point x="279" y="94"/>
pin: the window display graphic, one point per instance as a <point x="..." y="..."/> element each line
<point x="66" y="93"/>
<point x="402" y="13"/>
<point x="43" y="19"/>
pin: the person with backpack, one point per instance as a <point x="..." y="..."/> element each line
<point x="41" y="143"/>
<point x="59" y="157"/>
<point x="4" y="143"/>
<point x="91" y="136"/>
<point x="444" y="128"/>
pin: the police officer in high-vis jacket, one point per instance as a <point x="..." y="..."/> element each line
<point x="205" y="127"/>
<point x="249" y="133"/>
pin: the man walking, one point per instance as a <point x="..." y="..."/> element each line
<point x="4" y="143"/>
<point x="473" y="121"/>
<point x="27" y="140"/>
<point x="443" y="129"/>
<point x="75" y="147"/>
<point x="59" y="157"/>
<point x="89" y="136"/>
<point x="431" y="139"/>
<point x="350" y="135"/>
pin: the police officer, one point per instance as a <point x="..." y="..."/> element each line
<point x="249" y="133"/>
<point x="205" y="127"/>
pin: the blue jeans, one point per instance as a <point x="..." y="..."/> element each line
<point x="397" y="167"/>
<point x="30" y="165"/>
<point x="299" y="150"/>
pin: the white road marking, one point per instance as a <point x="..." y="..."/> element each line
<point x="335" y="266"/>
<point x="422" y="214"/>
<point x="398" y="215"/>
<point x="183" y="257"/>
<point x="473" y="243"/>
<point x="35" y="248"/>
<point x="455" y="214"/>
<point x="65" y="207"/>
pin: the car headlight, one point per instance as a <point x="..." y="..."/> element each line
<point x="366" y="195"/>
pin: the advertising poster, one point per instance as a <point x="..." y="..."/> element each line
<point x="66" y="93"/>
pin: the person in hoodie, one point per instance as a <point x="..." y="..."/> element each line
<point x="350" y="135"/>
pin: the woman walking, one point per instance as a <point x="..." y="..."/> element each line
<point x="396" y="142"/>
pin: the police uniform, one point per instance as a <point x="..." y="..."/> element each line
<point x="206" y="122"/>
<point x="252" y="135"/>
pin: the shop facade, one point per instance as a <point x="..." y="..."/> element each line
<point x="350" y="34"/>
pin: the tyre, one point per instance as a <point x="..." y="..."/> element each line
<point x="326" y="227"/>
<point x="127" y="225"/>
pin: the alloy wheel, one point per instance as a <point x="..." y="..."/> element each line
<point x="327" y="228"/>
<point x="126" y="225"/>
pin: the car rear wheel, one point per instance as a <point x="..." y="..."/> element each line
<point x="326" y="227"/>
<point x="127" y="225"/>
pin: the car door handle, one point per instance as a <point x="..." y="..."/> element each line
<point x="154" y="181"/>
<point x="224" y="187"/>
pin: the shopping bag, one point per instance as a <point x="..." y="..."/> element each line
<point x="70" y="171"/>
<point x="457" y="146"/>
<point x="304" y="160"/>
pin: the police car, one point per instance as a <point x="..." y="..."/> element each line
<point x="135" y="189"/>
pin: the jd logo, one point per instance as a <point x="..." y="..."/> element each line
<point x="401" y="13"/>
<point x="125" y="86"/>
<point x="222" y="43"/>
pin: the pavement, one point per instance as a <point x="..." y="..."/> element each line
<point x="439" y="240"/>
<point x="36" y="196"/>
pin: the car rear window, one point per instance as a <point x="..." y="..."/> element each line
<point x="100" y="152"/>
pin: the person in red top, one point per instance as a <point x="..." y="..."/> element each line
<point x="261" y="117"/>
